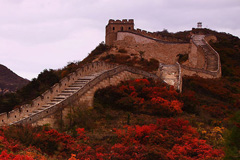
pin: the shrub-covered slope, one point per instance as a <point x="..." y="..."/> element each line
<point x="9" y="81"/>
<point x="170" y="136"/>
<point x="138" y="119"/>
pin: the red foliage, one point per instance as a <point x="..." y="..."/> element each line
<point x="144" y="96"/>
<point x="193" y="148"/>
<point x="5" y="156"/>
<point x="169" y="138"/>
<point x="176" y="136"/>
<point x="216" y="111"/>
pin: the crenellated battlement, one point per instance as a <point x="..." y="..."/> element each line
<point x="86" y="79"/>
<point x="202" y="60"/>
<point x="115" y="26"/>
<point x="38" y="103"/>
<point x="155" y="36"/>
<point x="130" y="21"/>
<point x="82" y="84"/>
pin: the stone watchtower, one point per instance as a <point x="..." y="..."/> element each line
<point x="114" y="27"/>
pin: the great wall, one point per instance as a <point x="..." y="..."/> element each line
<point x="79" y="87"/>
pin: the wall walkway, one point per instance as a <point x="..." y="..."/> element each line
<point x="75" y="87"/>
<point x="212" y="67"/>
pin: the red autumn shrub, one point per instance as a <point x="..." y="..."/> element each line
<point x="190" y="101"/>
<point x="141" y="95"/>
<point x="5" y="156"/>
<point x="176" y="138"/>
<point x="193" y="148"/>
<point x="216" y="111"/>
<point x="169" y="138"/>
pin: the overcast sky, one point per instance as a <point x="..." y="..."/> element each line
<point x="47" y="34"/>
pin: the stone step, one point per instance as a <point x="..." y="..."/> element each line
<point x="80" y="80"/>
<point x="84" y="79"/>
<point x="45" y="106"/>
<point x="59" y="97"/>
<point x="68" y="91"/>
<point x="87" y="78"/>
<point x="212" y="60"/>
<point x="77" y="85"/>
<point x="72" y="89"/>
<point x="64" y="94"/>
<point x="56" y="100"/>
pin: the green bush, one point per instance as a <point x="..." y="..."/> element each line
<point x="232" y="138"/>
<point x="80" y="117"/>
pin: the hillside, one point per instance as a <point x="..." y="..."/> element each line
<point x="9" y="81"/>
<point x="138" y="119"/>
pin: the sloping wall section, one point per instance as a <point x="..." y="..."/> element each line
<point x="163" y="51"/>
<point x="76" y="88"/>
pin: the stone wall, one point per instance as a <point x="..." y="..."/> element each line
<point x="164" y="49"/>
<point x="188" y="71"/>
<point x="198" y="60"/>
<point x="155" y="36"/>
<point x="23" y="111"/>
<point x="164" y="52"/>
<point x="115" y="26"/>
<point x="85" y="94"/>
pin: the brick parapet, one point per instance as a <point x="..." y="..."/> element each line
<point x="124" y="21"/>
<point x="205" y="73"/>
<point x="154" y="37"/>
<point x="18" y="114"/>
<point x="197" y="71"/>
<point x="219" y="70"/>
<point x="59" y="106"/>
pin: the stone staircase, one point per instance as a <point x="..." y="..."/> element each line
<point x="211" y="57"/>
<point x="79" y="86"/>
<point x="66" y="93"/>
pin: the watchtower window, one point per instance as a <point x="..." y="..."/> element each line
<point x="121" y="28"/>
<point x="113" y="28"/>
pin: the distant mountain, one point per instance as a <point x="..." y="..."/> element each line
<point x="10" y="81"/>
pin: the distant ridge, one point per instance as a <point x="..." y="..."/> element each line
<point x="10" y="81"/>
